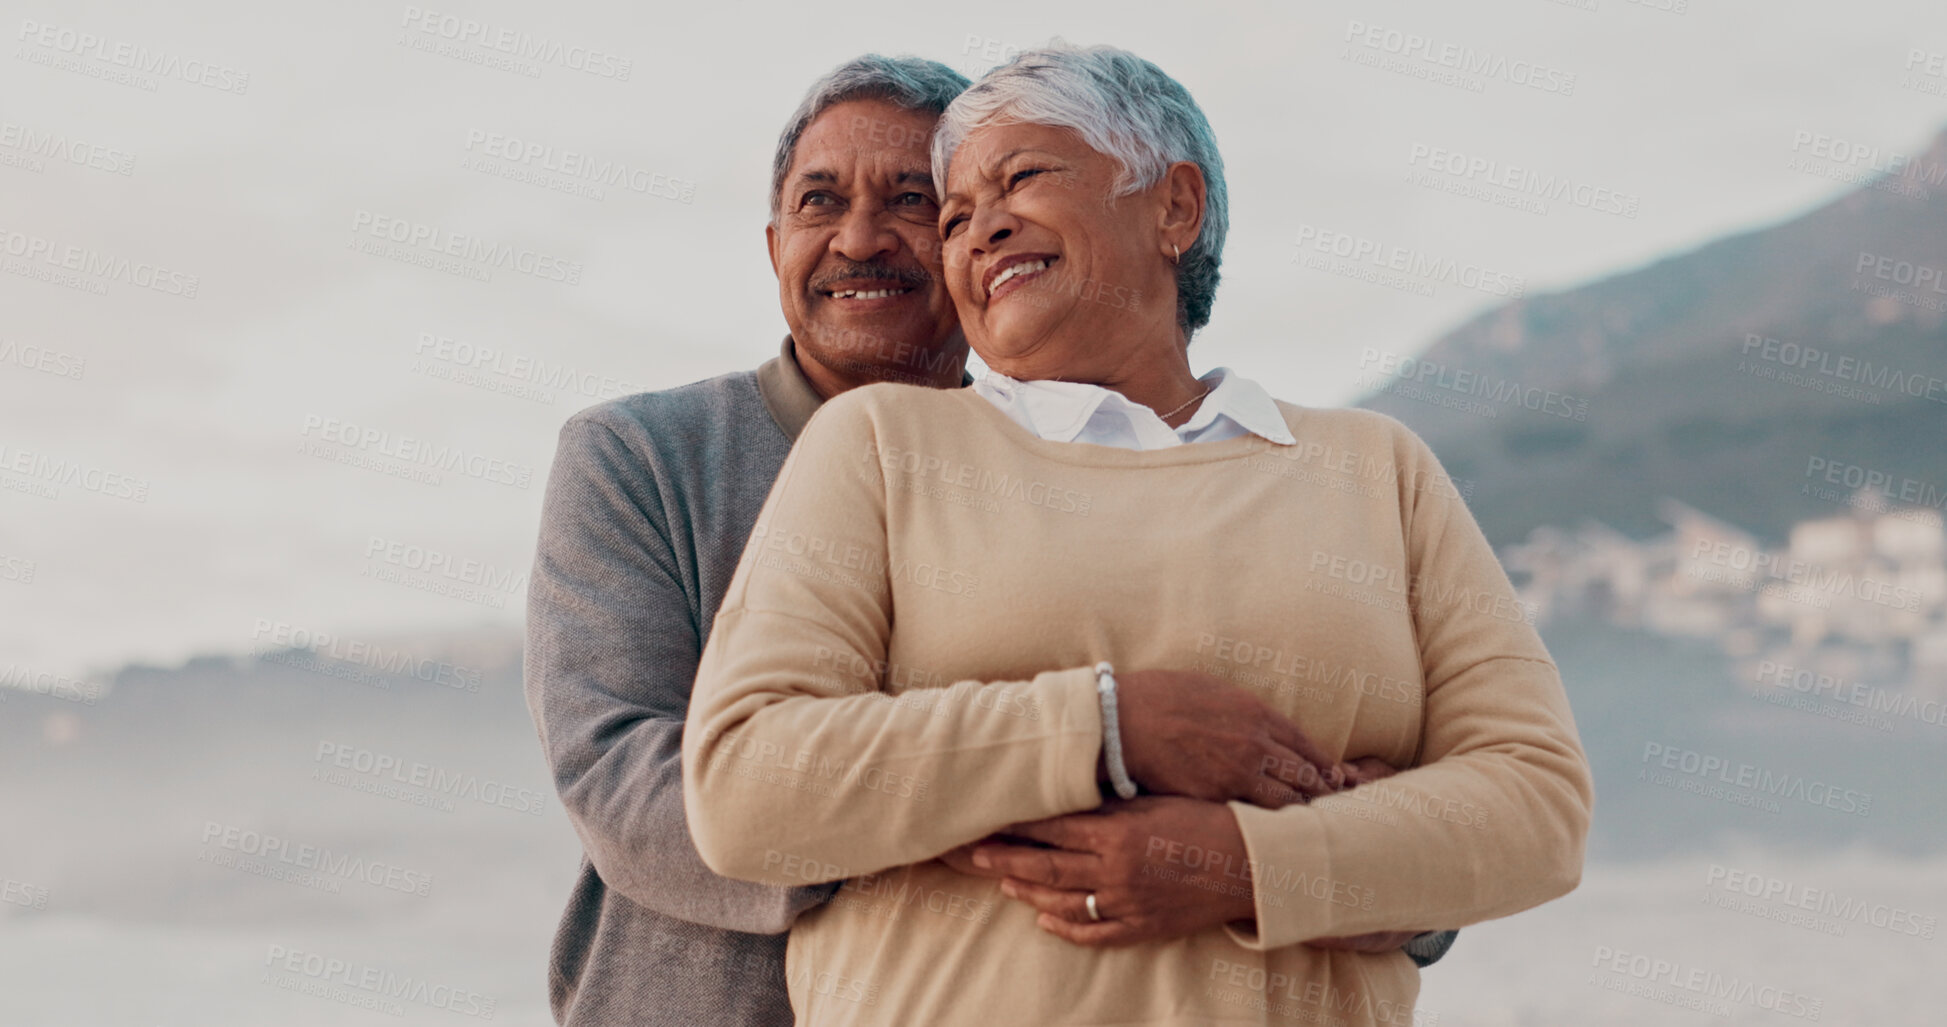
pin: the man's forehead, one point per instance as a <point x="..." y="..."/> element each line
<point x="872" y="125"/>
<point x="846" y="166"/>
<point x="874" y="142"/>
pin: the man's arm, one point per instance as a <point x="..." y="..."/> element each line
<point x="612" y="649"/>
<point x="1426" y="949"/>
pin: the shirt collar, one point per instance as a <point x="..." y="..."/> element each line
<point x="1058" y="410"/>
<point x="1244" y="401"/>
<point x="787" y="393"/>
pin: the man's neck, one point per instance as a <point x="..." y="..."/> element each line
<point x="939" y="366"/>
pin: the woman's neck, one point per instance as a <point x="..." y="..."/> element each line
<point x="1155" y="373"/>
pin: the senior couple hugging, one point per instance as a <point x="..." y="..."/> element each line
<point x="879" y="695"/>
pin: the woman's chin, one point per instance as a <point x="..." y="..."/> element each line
<point x="1011" y="338"/>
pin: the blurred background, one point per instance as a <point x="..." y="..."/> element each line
<point x="1663" y="282"/>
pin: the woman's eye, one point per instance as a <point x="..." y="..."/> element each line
<point x="952" y="223"/>
<point x="1016" y="177"/>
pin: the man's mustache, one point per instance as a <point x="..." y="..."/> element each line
<point x="912" y="276"/>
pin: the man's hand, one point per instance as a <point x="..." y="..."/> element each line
<point x="1196" y="735"/>
<point x="1132" y="856"/>
<point x="1378" y="941"/>
<point x="1366" y="770"/>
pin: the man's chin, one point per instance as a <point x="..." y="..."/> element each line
<point x="911" y="325"/>
<point x="895" y="346"/>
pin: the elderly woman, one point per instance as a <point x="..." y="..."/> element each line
<point x="968" y="612"/>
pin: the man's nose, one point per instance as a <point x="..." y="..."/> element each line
<point x="863" y="236"/>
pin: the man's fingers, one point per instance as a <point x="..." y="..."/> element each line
<point x="1271" y="793"/>
<point x="1368" y="769"/>
<point x="1052" y="867"/>
<point x="1293" y="737"/>
<point x="1298" y="772"/>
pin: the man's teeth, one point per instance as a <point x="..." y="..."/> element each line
<point x="1024" y="267"/>
<point x="871" y="294"/>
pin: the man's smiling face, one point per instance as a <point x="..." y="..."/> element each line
<point x="856" y="246"/>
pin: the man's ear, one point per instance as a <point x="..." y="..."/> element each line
<point x="1183" y="201"/>
<point x="771" y="244"/>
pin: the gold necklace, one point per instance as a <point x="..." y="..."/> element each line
<point x="1187" y="402"/>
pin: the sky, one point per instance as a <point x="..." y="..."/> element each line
<point x="221" y="377"/>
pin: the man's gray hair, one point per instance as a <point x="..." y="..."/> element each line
<point x="910" y="83"/>
<point x="1127" y="109"/>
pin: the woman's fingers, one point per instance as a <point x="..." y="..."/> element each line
<point x="961" y="859"/>
<point x="1106" y="933"/>
<point x="1068" y="904"/>
<point x="1054" y="868"/>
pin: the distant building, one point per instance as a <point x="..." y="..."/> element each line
<point x="1860" y="597"/>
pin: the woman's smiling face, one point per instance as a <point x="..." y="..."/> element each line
<point x="1048" y="269"/>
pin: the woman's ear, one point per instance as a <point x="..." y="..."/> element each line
<point x="1182" y="211"/>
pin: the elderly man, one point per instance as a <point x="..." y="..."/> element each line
<point x="648" y="508"/>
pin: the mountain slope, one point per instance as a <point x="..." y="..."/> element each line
<point x="1681" y="366"/>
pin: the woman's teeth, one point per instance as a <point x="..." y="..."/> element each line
<point x="1015" y="270"/>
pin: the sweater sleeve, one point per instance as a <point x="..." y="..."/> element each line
<point x="612" y="647"/>
<point x="1493" y="817"/>
<point x="796" y="767"/>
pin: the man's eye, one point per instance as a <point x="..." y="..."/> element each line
<point x="913" y="199"/>
<point x="818" y="199"/>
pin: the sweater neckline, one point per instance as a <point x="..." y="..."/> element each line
<point x="1089" y="454"/>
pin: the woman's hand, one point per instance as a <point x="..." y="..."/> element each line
<point x="1136" y="857"/>
<point x="1159" y="867"/>
<point x="1196" y="735"/>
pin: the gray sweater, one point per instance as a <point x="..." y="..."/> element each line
<point x="647" y="509"/>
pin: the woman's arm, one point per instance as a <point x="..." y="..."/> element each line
<point x="795" y="769"/>
<point x="1494" y="817"/>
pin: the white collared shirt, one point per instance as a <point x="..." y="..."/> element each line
<point x="1079" y="412"/>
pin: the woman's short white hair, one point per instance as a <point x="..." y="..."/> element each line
<point x="1127" y="109"/>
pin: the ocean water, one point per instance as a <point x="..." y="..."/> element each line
<point x="1548" y="966"/>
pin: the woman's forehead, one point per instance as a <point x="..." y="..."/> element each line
<point x="985" y="149"/>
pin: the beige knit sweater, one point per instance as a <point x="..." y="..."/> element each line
<point x="902" y="665"/>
